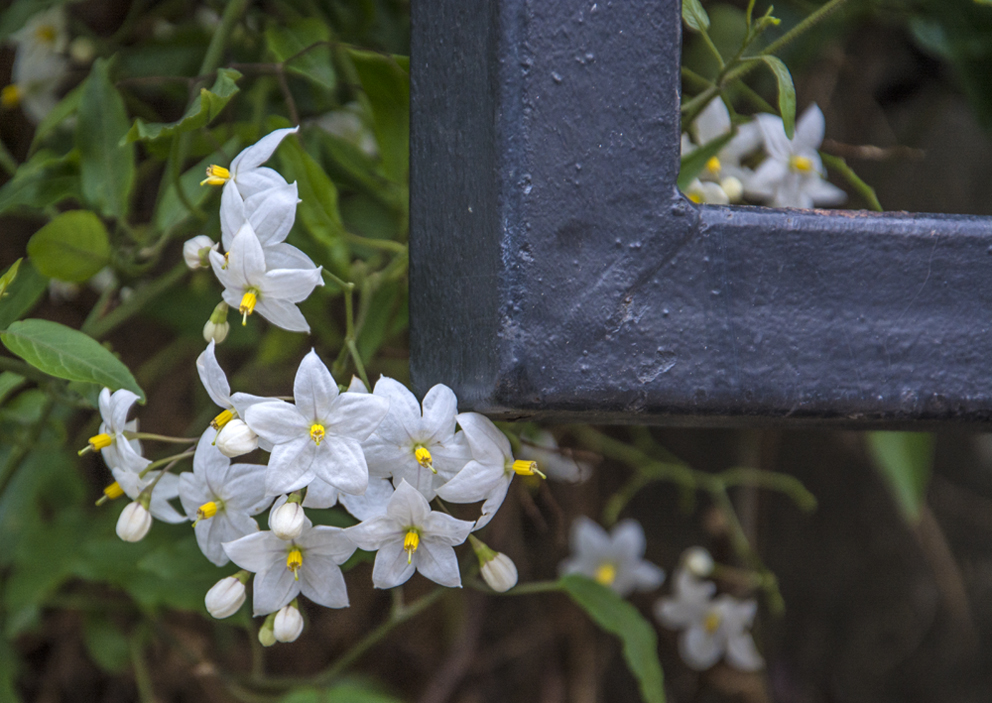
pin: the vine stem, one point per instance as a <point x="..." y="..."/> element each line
<point x="142" y="296"/>
<point x="21" y="450"/>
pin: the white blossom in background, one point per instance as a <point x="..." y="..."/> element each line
<point x="701" y="192"/>
<point x="45" y="31"/>
<point x="319" y="435"/>
<point x="418" y="446"/>
<point x="221" y="497"/>
<point x="711" y="627"/>
<point x="250" y="286"/>
<point x="412" y="537"/>
<point x="793" y="175"/>
<point x="309" y="564"/>
<point x="487" y="477"/>
<point x="614" y="559"/>
<point x="39" y="66"/>
<point x="725" y="166"/>
<point x="348" y="124"/>
<point x="164" y="490"/>
<point x="117" y="451"/>
<point x="555" y="463"/>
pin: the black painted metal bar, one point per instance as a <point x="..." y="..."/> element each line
<point x="556" y="273"/>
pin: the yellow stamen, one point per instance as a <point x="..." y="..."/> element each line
<point x="711" y="622"/>
<point x="222" y="419"/>
<point x="695" y="197"/>
<point x="216" y="176"/>
<point x="410" y="544"/>
<point x="801" y="164"/>
<point x="294" y="562"/>
<point x="113" y="491"/>
<point x="10" y="96"/>
<point x="713" y="165"/>
<point x="526" y="468"/>
<point x="100" y="441"/>
<point x="317" y="433"/>
<point x="424" y="458"/>
<point x="248" y="305"/>
<point x="205" y="511"/>
<point x="45" y="34"/>
<point x="605" y="574"/>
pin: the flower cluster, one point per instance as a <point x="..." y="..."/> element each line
<point x="791" y="174"/>
<point x="40" y="64"/>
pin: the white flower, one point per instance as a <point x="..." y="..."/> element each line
<point x="117" y="451"/>
<point x="792" y="175"/>
<point x="36" y="75"/>
<point x="134" y="522"/>
<point x="236" y="438"/>
<point x="421" y="448"/>
<point x="271" y="214"/>
<point x="44" y="31"/>
<point x="164" y="490"/>
<point x="320" y="435"/>
<point x="698" y="562"/>
<point x="705" y="192"/>
<point x="487" y="477"/>
<point x="288" y="624"/>
<point x="215" y="382"/>
<point x="348" y="125"/>
<point x="225" y="597"/>
<point x="247" y="176"/>
<point x="615" y="559"/>
<point x="711" y="627"/>
<point x="248" y="285"/>
<point x="221" y="497"/>
<point x="321" y="494"/>
<point x="287" y="521"/>
<point x="196" y="251"/>
<point x="555" y="463"/>
<point x="411" y="537"/>
<point x="309" y="564"/>
<point x="500" y="573"/>
<point x="725" y="167"/>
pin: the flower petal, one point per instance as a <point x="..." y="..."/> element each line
<point x="700" y="649"/>
<point x="488" y="444"/>
<point x="440" y="409"/>
<point x="810" y="128"/>
<point x="273" y="589"/>
<point x="246" y="262"/>
<point x="371" y="534"/>
<point x="356" y="415"/>
<point x="313" y="388"/>
<point x="407" y="506"/>
<point x="232" y="213"/>
<point x="213" y="378"/>
<point x="277" y="421"/>
<point x="272" y="213"/>
<point x="327" y="542"/>
<point x="292" y="285"/>
<point x="257" y="552"/>
<point x="445" y="529"/>
<point x="320" y="494"/>
<point x="290" y="466"/>
<point x="286" y="256"/>
<point x="340" y="462"/>
<point x="391" y="567"/>
<point x="282" y="314"/>
<point x="260" y="152"/>
<point x="372" y="503"/>
<point x="257" y="181"/>
<point x="438" y="563"/>
<point x="493" y="501"/>
<point x="322" y="582"/>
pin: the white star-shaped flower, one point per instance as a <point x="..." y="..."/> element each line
<point x="250" y="286"/>
<point x="711" y="627"/>
<point x="412" y="537"/>
<point x="487" y="477"/>
<point x="725" y="166"/>
<point x="221" y="497"/>
<point x="309" y="564"/>
<point x="215" y="382"/>
<point x="112" y="442"/>
<point x="271" y="214"/>
<point x="321" y="494"/>
<point x="319" y="435"/>
<point x="44" y="31"/>
<point x="247" y="176"/>
<point x="792" y="175"/>
<point x="614" y="559"/>
<point x="420" y="447"/>
<point x="164" y="490"/>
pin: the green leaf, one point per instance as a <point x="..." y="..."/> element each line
<point x="695" y="16"/>
<point x="8" y="277"/>
<point x="43" y="181"/>
<point x="66" y="106"/>
<point x="106" y="644"/>
<point x="319" y="196"/>
<point x="905" y="460"/>
<point x="786" y="93"/>
<point x="315" y="64"/>
<point x="617" y="616"/>
<point x="199" y="114"/>
<point x="22" y="294"/>
<point x="386" y="86"/>
<point x="63" y="352"/>
<point x="695" y="161"/>
<point x="72" y="247"/>
<point x="106" y="167"/>
<point x="345" y="692"/>
<point x="9" y="382"/>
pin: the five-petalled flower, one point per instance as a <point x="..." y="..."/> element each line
<point x="614" y="559"/>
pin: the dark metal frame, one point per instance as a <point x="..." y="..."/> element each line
<point x="557" y="273"/>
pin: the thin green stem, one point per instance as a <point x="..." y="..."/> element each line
<point x="215" y="51"/>
<point x="142" y="677"/>
<point x="384" y="244"/>
<point x="837" y="163"/>
<point x="771" y="480"/>
<point x="712" y="47"/>
<point x="167" y="460"/>
<point x="811" y="21"/>
<point x="160" y="437"/>
<point x="532" y="587"/>
<point x="7" y="161"/>
<point x="23" y="369"/>
<point x="141" y="297"/>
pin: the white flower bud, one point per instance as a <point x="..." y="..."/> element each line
<point x="134" y="522"/>
<point x="236" y="438"/>
<point x="287" y="521"/>
<point x="192" y="251"/>
<point x="500" y="573"/>
<point x="733" y="188"/>
<point x="698" y="562"/>
<point x="266" y="635"/>
<point x="288" y="624"/>
<point x="82" y="50"/>
<point x="213" y="332"/>
<point x="225" y="597"/>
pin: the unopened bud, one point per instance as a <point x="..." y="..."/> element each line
<point x="497" y="569"/>
<point x="287" y="521"/>
<point x="288" y="624"/>
<point x="698" y="562"/>
<point x="217" y="327"/>
<point x="82" y="50"/>
<point x="733" y="188"/>
<point x="236" y="438"/>
<point x="134" y="522"/>
<point x="196" y="251"/>
<point x="266" y="635"/>
<point x="225" y="597"/>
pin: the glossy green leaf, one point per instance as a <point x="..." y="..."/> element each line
<point x="22" y="294"/>
<point x="106" y="166"/>
<point x="905" y="461"/>
<point x="694" y="15"/>
<point x="695" y="161"/>
<point x="72" y="247"/>
<point x="386" y="90"/>
<point x="9" y="276"/>
<point x="9" y="382"/>
<point x="786" y="93"/>
<point x="63" y="352"/>
<point x="43" y="181"/>
<point x="199" y="114"/>
<point x="67" y="106"/>
<point x="287" y="42"/>
<point x="617" y="616"/>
